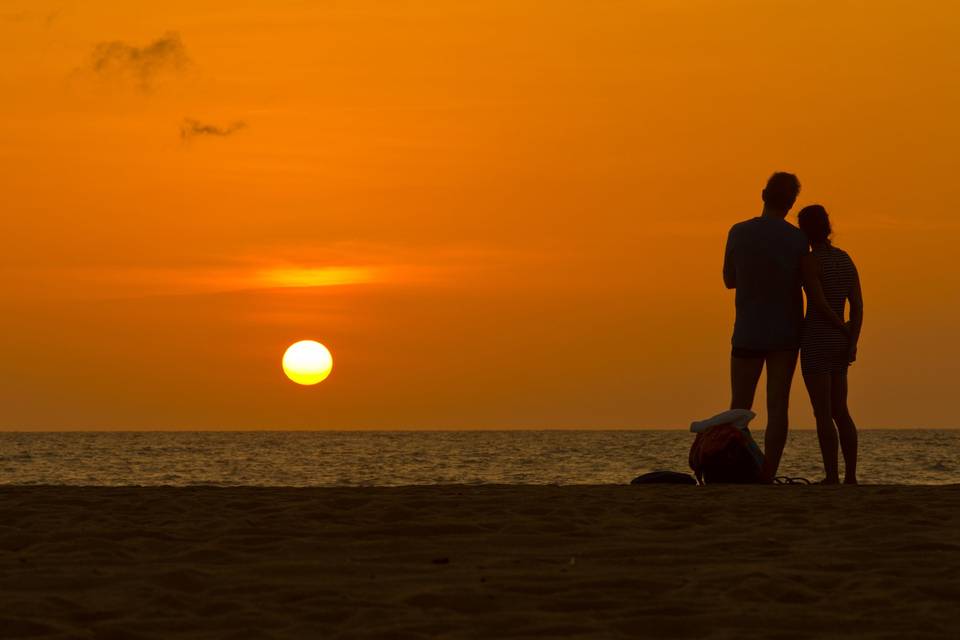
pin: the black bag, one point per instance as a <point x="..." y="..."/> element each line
<point x="664" y="477"/>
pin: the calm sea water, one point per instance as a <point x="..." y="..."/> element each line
<point x="399" y="458"/>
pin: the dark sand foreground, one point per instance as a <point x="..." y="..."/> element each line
<point x="493" y="561"/>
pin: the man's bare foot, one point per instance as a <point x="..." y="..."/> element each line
<point x="766" y="475"/>
<point x="849" y="480"/>
<point x="830" y="480"/>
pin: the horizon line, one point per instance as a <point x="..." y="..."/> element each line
<point x="420" y="430"/>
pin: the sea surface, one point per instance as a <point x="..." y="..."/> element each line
<point x="420" y="457"/>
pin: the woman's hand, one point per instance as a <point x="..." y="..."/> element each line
<point x="852" y="347"/>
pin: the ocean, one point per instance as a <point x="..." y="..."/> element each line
<point x="315" y="458"/>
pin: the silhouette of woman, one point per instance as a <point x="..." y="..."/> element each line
<point x="828" y="345"/>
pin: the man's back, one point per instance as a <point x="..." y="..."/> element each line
<point x="763" y="261"/>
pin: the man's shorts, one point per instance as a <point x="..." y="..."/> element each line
<point x="741" y="352"/>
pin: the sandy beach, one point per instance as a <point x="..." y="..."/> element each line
<point x="487" y="561"/>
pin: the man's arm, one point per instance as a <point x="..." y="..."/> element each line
<point x="729" y="269"/>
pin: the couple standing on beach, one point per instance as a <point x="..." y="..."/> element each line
<point x="768" y="261"/>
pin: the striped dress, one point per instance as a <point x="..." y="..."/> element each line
<point x="823" y="347"/>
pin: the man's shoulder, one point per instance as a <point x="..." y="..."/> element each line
<point x="749" y="222"/>
<point x="795" y="230"/>
<point x="792" y="232"/>
<point x="770" y="230"/>
<point x="796" y="234"/>
<point x="743" y="226"/>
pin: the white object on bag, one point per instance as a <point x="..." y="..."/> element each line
<point x="739" y="418"/>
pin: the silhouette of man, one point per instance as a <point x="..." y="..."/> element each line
<point x="762" y="262"/>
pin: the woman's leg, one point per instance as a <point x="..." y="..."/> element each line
<point x="845" y="426"/>
<point x="818" y="386"/>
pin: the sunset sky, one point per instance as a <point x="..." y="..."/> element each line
<point x="496" y="214"/>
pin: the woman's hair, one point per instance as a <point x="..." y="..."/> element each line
<point x="815" y="222"/>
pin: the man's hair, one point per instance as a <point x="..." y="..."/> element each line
<point x="781" y="191"/>
<point x="815" y="222"/>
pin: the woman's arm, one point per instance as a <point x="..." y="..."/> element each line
<point x="810" y="270"/>
<point x="856" y="313"/>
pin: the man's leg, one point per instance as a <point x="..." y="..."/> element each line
<point x="780" y="368"/>
<point x="744" y="374"/>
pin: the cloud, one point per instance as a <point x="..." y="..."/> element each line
<point x="47" y="19"/>
<point x="118" y="282"/>
<point x="142" y="65"/>
<point x="308" y="266"/>
<point x="190" y="128"/>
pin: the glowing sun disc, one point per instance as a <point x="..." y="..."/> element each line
<point x="307" y="362"/>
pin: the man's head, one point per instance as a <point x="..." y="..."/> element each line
<point x="781" y="192"/>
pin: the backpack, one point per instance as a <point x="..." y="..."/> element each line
<point x="724" y="453"/>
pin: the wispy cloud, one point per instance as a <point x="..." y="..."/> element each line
<point x="329" y="267"/>
<point x="31" y="16"/>
<point x="134" y="282"/>
<point x="119" y="60"/>
<point x="191" y="128"/>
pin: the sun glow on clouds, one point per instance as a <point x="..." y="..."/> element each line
<point x="318" y="276"/>
<point x="271" y="268"/>
<point x="110" y="283"/>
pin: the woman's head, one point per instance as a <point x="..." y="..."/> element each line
<point x="815" y="222"/>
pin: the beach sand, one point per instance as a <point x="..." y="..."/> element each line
<point x="488" y="561"/>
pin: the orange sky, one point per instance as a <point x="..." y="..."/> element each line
<point x="497" y="214"/>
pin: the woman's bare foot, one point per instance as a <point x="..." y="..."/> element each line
<point x="830" y="480"/>
<point x="850" y="480"/>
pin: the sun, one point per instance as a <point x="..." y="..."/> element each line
<point x="307" y="362"/>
